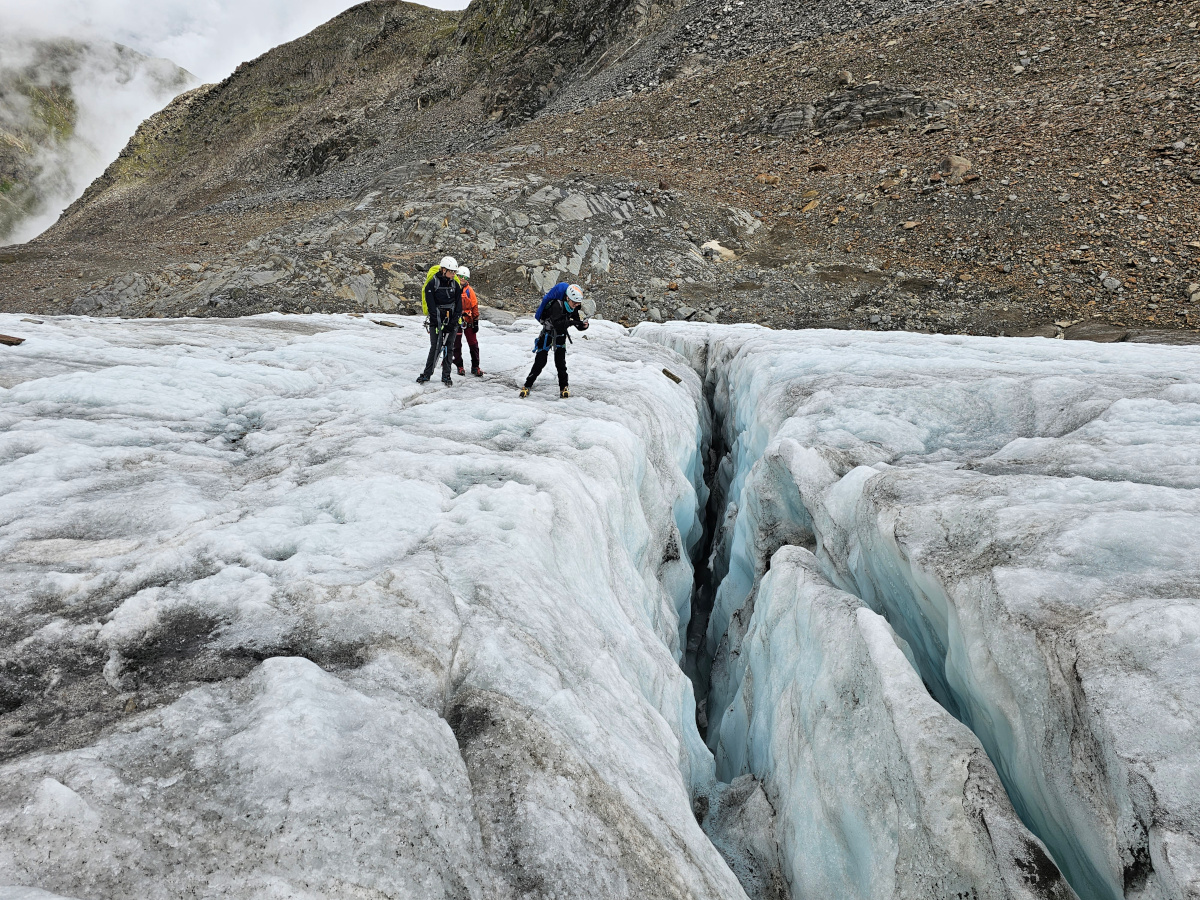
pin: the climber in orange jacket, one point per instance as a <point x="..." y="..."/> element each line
<point x="470" y="325"/>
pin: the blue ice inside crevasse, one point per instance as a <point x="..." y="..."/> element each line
<point x="1004" y="504"/>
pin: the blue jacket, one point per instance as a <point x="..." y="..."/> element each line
<point x="558" y="292"/>
<point x="553" y="312"/>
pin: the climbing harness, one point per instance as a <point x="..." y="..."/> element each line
<point x="548" y="340"/>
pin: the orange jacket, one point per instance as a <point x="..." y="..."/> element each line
<point x="470" y="313"/>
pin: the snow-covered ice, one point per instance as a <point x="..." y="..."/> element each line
<point x="279" y="622"/>
<point x="1026" y="515"/>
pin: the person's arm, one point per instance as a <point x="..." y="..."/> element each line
<point x="458" y="306"/>
<point x="555" y="317"/>
<point x="425" y="297"/>
<point x="472" y="314"/>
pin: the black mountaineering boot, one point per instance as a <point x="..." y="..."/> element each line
<point x="446" y="381"/>
<point x="564" y="393"/>
<point x="421" y="379"/>
<point x="524" y="392"/>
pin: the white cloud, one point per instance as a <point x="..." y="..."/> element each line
<point x="113" y="91"/>
<point x="207" y="37"/>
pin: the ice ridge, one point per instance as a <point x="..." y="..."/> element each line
<point x="279" y="622"/>
<point x="1023" y="515"/>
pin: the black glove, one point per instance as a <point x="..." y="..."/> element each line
<point x="475" y="328"/>
<point x="583" y="326"/>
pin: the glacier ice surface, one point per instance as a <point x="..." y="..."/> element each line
<point x="1025" y="515"/>
<point x="279" y="622"/>
<point x="880" y="792"/>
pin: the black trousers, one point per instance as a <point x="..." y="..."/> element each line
<point x="539" y="363"/>
<point x="441" y="338"/>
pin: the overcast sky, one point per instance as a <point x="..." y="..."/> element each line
<point x="207" y="37"/>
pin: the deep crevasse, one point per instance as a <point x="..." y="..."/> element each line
<point x="1024" y="515"/>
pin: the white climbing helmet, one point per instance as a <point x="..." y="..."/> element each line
<point x="449" y="263"/>
<point x="574" y="294"/>
<point x="464" y="272"/>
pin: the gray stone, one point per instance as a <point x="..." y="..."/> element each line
<point x="1043" y="331"/>
<point x="496" y="316"/>
<point x="953" y="165"/>
<point x="573" y="209"/>
<point x="1096" y="331"/>
<point x="1163" y="336"/>
<point x="793" y="121"/>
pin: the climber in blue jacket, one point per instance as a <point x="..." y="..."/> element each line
<point x="558" y="311"/>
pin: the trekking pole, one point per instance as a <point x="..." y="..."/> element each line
<point x="445" y="338"/>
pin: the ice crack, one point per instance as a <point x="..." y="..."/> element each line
<point x="1013" y="599"/>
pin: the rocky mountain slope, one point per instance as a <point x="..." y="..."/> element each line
<point x="971" y="167"/>
<point x="62" y="104"/>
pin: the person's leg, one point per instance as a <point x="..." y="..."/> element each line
<point x="560" y="363"/>
<point x="473" y="344"/>
<point x="447" y="350"/>
<point x="431" y="361"/>
<point x="539" y="363"/>
<point x="458" y="357"/>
